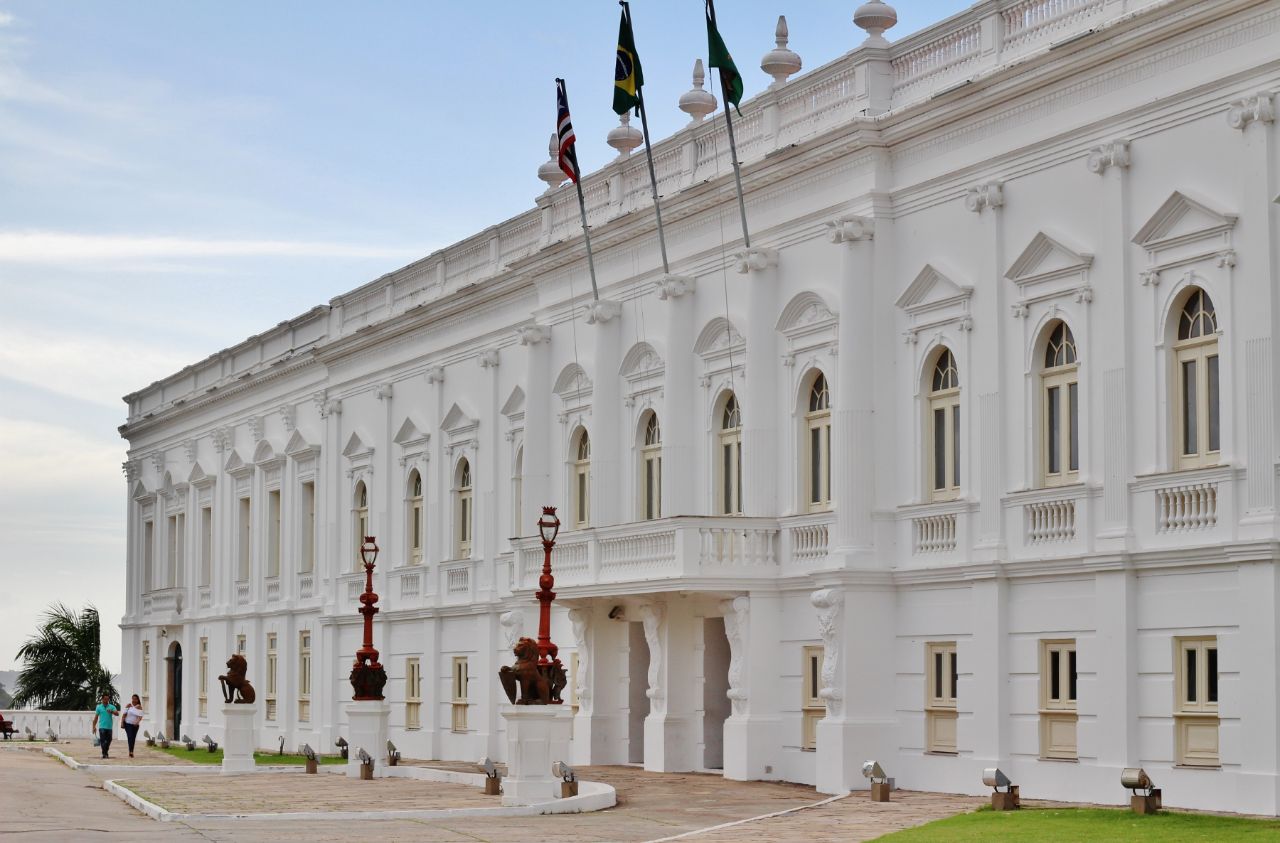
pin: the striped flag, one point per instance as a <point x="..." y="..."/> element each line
<point x="564" y="128"/>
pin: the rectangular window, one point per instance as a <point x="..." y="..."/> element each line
<point x="812" y="708"/>
<point x="460" y="681"/>
<point x="582" y="499"/>
<point x="304" y="675"/>
<point x="204" y="678"/>
<point x="412" y="694"/>
<point x="415" y="531"/>
<point x="955" y="445"/>
<point x="272" y="676"/>
<point x="939" y="448"/>
<point x="1058" y="699"/>
<point x="245" y="528"/>
<point x="1196" y="701"/>
<point x="242" y="644"/>
<point x="1190" y="436"/>
<point x="273" y="533"/>
<point x="1054" y="435"/>
<point x="206" y="545"/>
<point x="464" y="525"/>
<point x="307" y="557"/>
<point x="148" y="555"/>
<point x="1073" y="417"/>
<point x="1215" y="435"/>
<point x="940" y="696"/>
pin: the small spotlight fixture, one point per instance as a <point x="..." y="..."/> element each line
<point x="1145" y="798"/>
<point x="393" y="754"/>
<point x="313" y="764"/>
<point x="190" y="744"/>
<point x="341" y="744"/>
<point x="492" y="781"/>
<point x="162" y="741"/>
<point x="568" y="779"/>
<point x="881" y="784"/>
<point x="146" y="735"/>
<point x="366" y="764"/>
<point x="1001" y="800"/>
<point x="210" y="743"/>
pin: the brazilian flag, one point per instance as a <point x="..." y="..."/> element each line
<point x="718" y="57"/>
<point x="627" y="75"/>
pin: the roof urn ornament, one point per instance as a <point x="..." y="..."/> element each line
<point x="550" y="171"/>
<point x="781" y="62"/>
<point x="624" y="137"/>
<point x="698" y="103"/>
<point x="876" y="17"/>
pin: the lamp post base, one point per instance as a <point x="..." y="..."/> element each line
<point x="241" y="738"/>
<point x="368" y="724"/>
<point x="537" y="737"/>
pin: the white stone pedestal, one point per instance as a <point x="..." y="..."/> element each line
<point x="240" y="738"/>
<point x="537" y="736"/>
<point x="368" y="724"/>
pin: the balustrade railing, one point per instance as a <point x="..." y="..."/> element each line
<point x="242" y="593"/>
<point x="933" y="533"/>
<point x="273" y="590"/>
<point x="306" y="586"/>
<point x="1050" y="521"/>
<point x="1193" y="506"/>
<point x="457" y="580"/>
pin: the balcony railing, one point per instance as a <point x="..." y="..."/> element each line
<point x="1187" y="508"/>
<point x="667" y="548"/>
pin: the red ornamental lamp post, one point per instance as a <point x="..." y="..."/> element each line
<point x="368" y="677"/>
<point x="549" y="528"/>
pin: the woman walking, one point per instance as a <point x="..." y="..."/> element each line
<point x="133" y="715"/>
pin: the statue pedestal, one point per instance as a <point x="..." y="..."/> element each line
<point x="368" y="724"/>
<point x="537" y="736"/>
<point x="240" y="738"/>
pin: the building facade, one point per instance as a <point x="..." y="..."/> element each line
<point x="970" y="459"/>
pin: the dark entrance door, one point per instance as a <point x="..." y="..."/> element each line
<point x="175" y="690"/>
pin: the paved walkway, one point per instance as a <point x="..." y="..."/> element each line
<point x="44" y="800"/>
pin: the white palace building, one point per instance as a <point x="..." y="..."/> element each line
<point x="970" y="460"/>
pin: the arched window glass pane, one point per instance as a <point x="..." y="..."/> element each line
<point x="1061" y="348"/>
<point x="464" y="475"/>
<point x="362" y="496"/>
<point x="1198" y="317"/>
<point x="584" y="447"/>
<point x="652" y="432"/>
<point x="416" y="486"/>
<point x="945" y="375"/>
<point x="732" y="417"/>
<point x="819" y="398"/>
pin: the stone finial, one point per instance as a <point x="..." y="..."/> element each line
<point x="624" y="137"/>
<point x="780" y="62"/>
<point x="876" y="17"/>
<point x="698" y="103"/>
<point x="550" y="171"/>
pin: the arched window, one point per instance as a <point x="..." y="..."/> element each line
<point x="818" y="446"/>
<point x="1060" y="408"/>
<point x="1196" y="357"/>
<point x="462" y="509"/>
<point x="414" y="513"/>
<point x="359" y="522"/>
<point x="729" y="496"/>
<point x="943" y="424"/>
<point x="651" y="468"/>
<point x="582" y="481"/>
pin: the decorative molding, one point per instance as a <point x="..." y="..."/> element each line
<point x="603" y="311"/>
<point x="298" y="448"/>
<point x="1046" y="270"/>
<point x="132" y="470"/>
<point x="1113" y="154"/>
<point x="255" y="427"/>
<point x="512" y="624"/>
<point x="191" y="448"/>
<point x="435" y="375"/>
<point x="384" y="391"/>
<point x="933" y="299"/>
<point x="288" y="417"/>
<point x="572" y="382"/>
<point x="581" y="621"/>
<point x="830" y="604"/>
<point x="755" y="260"/>
<point x="489" y="359"/>
<point x="642" y="361"/>
<point x="358" y="454"/>
<point x="984" y="197"/>
<point x="737" y="628"/>
<point x="410" y="438"/>
<point x="1184" y="231"/>
<point x="675" y="286"/>
<point x="654" y="616"/>
<point x="850" y="229"/>
<point x="534" y="334"/>
<point x="222" y="439"/>
<point x="1258" y="108"/>
<point x="157" y="461"/>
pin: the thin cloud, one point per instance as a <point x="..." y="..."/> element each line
<point x="5" y="18"/>
<point x="64" y="248"/>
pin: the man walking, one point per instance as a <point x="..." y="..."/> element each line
<point x="103" y="714"/>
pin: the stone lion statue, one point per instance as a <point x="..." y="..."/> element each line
<point x="235" y="682"/>
<point x="535" y="687"/>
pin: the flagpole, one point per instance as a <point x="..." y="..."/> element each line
<point x="737" y="169"/>
<point x="586" y="233"/>
<point x="648" y="151"/>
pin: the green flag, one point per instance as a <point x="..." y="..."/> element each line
<point x="627" y="75"/>
<point x="718" y="57"/>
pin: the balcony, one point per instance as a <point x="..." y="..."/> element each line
<point x="1186" y="507"/>
<point x="680" y="548"/>
<point x="935" y="532"/>
<point x="164" y="601"/>
<point x="1049" y="522"/>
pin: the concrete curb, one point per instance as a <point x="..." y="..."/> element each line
<point x="592" y="796"/>
<point x="722" y="826"/>
<point x="185" y="769"/>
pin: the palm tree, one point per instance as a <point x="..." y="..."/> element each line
<point x="61" y="668"/>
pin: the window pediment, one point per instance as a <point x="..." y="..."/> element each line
<point x="573" y="381"/>
<point x="410" y="437"/>
<point x="1184" y="228"/>
<point x="807" y="322"/>
<point x="299" y="448"/>
<point x="199" y="478"/>
<point x="236" y="466"/>
<point x="934" y="299"/>
<point x="513" y="409"/>
<point x="1048" y="269"/>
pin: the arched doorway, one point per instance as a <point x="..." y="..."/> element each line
<point x="173" y="694"/>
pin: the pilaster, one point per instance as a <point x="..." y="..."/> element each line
<point x="606" y="408"/>
<point x="668" y="729"/>
<point x="753" y="733"/>
<point x="761" y="410"/>
<point x="679" y="426"/>
<point x="536" y="486"/>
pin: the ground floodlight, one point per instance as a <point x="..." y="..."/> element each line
<point x="490" y="769"/>
<point x="994" y="777"/>
<point x="393" y="754"/>
<point x="873" y="771"/>
<point x="145" y="734"/>
<point x="210" y="743"/>
<point x="190" y="744"/>
<point x="308" y="752"/>
<point x="563" y="771"/>
<point x="492" y="783"/>
<point x="341" y="744"/>
<point x="1146" y="796"/>
<point x="880" y="783"/>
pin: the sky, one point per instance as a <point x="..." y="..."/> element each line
<point x="175" y="177"/>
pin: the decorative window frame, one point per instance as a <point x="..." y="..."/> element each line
<point x="941" y="708"/>
<point x="575" y="389"/>
<point x="723" y="351"/>
<point x="513" y="410"/>
<point x="643" y="371"/>
<point x="1058" y="716"/>
<point x="571" y="478"/>
<point x="809" y="325"/>
<point x="933" y="300"/>
<point x="1195" y="721"/>
<point x="642" y="453"/>
<point x="415" y="455"/>
<point x="1188" y="243"/>
<point x="798" y="447"/>
<point x="717" y="437"/>
<point x="305" y="460"/>
<point x="456" y="548"/>
<point x="922" y="401"/>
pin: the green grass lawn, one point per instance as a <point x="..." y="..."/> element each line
<point x="201" y="755"/>
<point x="1084" y="825"/>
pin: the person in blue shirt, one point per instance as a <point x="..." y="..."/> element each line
<point x="102" y="715"/>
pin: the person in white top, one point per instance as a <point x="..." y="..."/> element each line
<point x="133" y="715"/>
